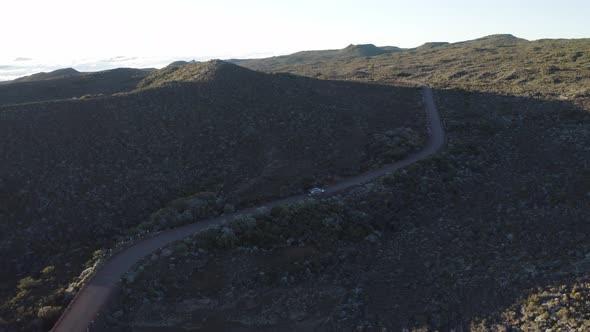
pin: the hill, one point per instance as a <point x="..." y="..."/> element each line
<point x="69" y="83"/>
<point x="491" y="235"/>
<point x="219" y="72"/>
<point x="499" y="40"/>
<point x="431" y="45"/>
<point x="60" y="73"/>
<point x="366" y="50"/>
<point x="311" y="57"/>
<point x="82" y="175"/>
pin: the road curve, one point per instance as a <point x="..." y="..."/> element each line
<point x="97" y="290"/>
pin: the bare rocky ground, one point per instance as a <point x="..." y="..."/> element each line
<point x="491" y="235"/>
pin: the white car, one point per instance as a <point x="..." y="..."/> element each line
<point x="315" y="191"/>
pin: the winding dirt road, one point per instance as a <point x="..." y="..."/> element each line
<point x="89" y="300"/>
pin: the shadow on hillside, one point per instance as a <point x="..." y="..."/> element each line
<point x="507" y="214"/>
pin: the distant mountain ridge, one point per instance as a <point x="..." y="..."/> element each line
<point x="285" y="63"/>
<point x="308" y="57"/>
<point x="60" y="73"/>
<point x="69" y="83"/>
<point x="431" y="45"/>
<point x="367" y="50"/>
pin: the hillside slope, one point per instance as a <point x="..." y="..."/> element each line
<point x="81" y="175"/>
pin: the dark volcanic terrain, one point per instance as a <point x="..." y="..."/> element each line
<point x="192" y="140"/>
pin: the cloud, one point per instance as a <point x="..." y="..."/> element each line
<point x="120" y="59"/>
<point x="22" y="59"/>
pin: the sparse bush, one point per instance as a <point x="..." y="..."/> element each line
<point x="49" y="313"/>
<point x="28" y="283"/>
<point x="48" y="270"/>
<point x="394" y="145"/>
<point x="98" y="254"/>
<point x="226" y="238"/>
<point x="243" y="224"/>
<point x="563" y="314"/>
<point x="182" y="211"/>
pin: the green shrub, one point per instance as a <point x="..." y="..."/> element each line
<point x="49" y="313"/>
<point x="182" y="211"/>
<point x="48" y="270"/>
<point x="242" y="225"/>
<point x="563" y="313"/>
<point x="226" y="238"/>
<point x="98" y="254"/>
<point x="394" y="145"/>
<point x="28" y="283"/>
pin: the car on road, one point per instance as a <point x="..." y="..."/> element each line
<point x="315" y="191"/>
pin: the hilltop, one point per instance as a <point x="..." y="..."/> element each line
<point x="194" y="140"/>
<point x="214" y="71"/>
<point x="431" y="45"/>
<point x="500" y="40"/>
<point x="366" y="50"/>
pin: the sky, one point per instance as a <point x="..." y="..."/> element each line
<point x="40" y="35"/>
